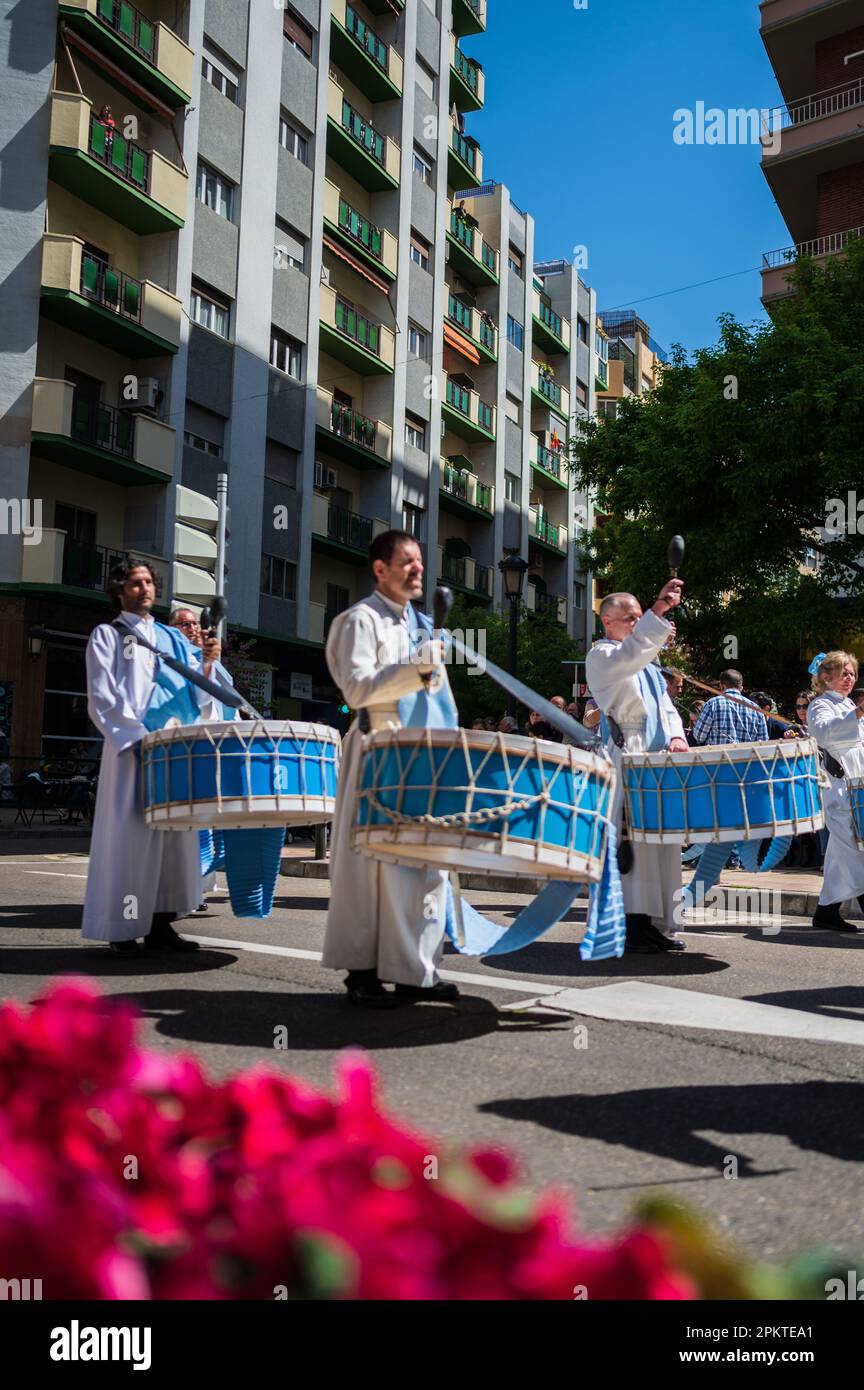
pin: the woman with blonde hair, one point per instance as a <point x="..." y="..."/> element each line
<point x="835" y="723"/>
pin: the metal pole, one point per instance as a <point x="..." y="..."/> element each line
<point x="320" y="842"/>
<point x="221" y="529"/>
<point x="514" y="653"/>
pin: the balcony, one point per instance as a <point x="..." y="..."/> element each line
<point x="342" y="533"/>
<point x="462" y="492"/>
<point x="362" y="55"/>
<point x="372" y="244"/>
<point x="463" y="572"/>
<point x="551" y="331"/>
<point x="385" y="7"/>
<point x="814" y="135"/>
<point x="348" y="334"/>
<point x="548" y="534"/>
<point x="791" y="29"/>
<point x="464" y="160"/>
<point x="471" y="255"/>
<point x="546" y="391"/>
<point x="60" y="563"/>
<point x="469" y="17"/>
<point x="148" y="51"/>
<point x="475" y="325"/>
<point x="601" y="378"/>
<point x="132" y="317"/>
<point x="120" y="446"/>
<point x="137" y="187"/>
<point x="777" y="264"/>
<point x="549" y="464"/>
<point x="465" y="413"/>
<point x="467" y="80"/>
<point x="344" y="433"/>
<point x="548" y="605"/>
<point x="372" y="158"/>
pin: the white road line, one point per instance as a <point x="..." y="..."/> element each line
<point x="52" y="873"/>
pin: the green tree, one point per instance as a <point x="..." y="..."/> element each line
<point x="543" y="645"/>
<point x="741" y="450"/>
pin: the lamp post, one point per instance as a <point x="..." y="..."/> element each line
<point x="513" y="569"/>
<point x="36" y="641"/>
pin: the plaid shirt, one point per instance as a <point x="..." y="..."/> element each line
<point x="730" y="721"/>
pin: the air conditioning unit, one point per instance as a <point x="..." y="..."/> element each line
<point x="145" y="395"/>
<point x="325" y="275"/>
<point x="319" y="474"/>
<point x="331" y="477"/>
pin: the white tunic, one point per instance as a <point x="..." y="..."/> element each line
<point x="382" y="917"/>
<point x="832" y="721"/>
<point x="133" y="871"/>
<point x="612" y="671"/>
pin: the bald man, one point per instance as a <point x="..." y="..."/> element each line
<point x="631" y="693"/>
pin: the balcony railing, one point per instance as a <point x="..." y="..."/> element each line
<point x="542" y="529"/>
<point x="366" y="37"/>
<point x="111" y="288"/>
<point x="820" y="105"/>
<point x="88" y="566"/>
<point x="552" y="320"/>
<point x="460" y="313"/>
<point x="549" y="388"/>
<point x="133" y="27"/>
<point x="356" y="428"/>
<point x="102" y="426"/>
<point x="454" y="482"/>
<point x="125" y="159"/>
<point x="366" y="136"/>
<point x="465" y="149"/>
<point x="349" y="528"/>
<point x="549" y="459"/>
<point x="821" y="246"/>
<point x="547" y="603"/>
<point x="361" y="230"/>
<point x="468" y="71"/>
<point x="453" y="568"/>
<point x="357" y="327"/>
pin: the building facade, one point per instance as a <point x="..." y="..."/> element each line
<point x="257" y="240"/>
<point x="814" y="165"/>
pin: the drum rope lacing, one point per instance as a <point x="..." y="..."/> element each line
<point x="481" y="817"/>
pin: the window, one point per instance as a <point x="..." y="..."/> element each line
<point x="581" y="329"/>
<point x="578" y="597"/>
<point x="420" y="250"/>
<point x="513" y="409"/>
<point x="425" y="78"/>
<point x="280" y="463"/>
<point x="582" y="393"/>
<point x="298" y="34"/>
<point x="219" y="72"/>
<point x="289" y="247"/>
<point x="512" y="488"/>
<point x="423" y="166"/>
<point x="418" y="341"/>
<point x="412" y="520"/>
<point x="209" y="311"/>
<point x="291" y="139"/>
<point x="647" y="383"/>
<point x="415" y="432"/>
<point x="278" y="577"/>
<point x="207" y="446"/>
<point x="214" y="190"/>
<point x="515" y="260"/>
<point x="515" y="333"/>
<point x="286" y="354"/>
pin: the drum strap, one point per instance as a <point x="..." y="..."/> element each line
<point x="830" y="763"/>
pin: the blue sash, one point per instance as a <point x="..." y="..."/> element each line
<point x="172" y="695"/>
<point x="423" y="710"/>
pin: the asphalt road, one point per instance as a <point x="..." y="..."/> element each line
<point x="691" y="1071"/>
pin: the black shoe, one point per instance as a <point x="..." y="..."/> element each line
<point x="638" y="942"/>
<point x="200" y="911"/>
<point x="662" y="942"/>
<point x="441" y="993"/>
<point x="366" y="990"/>
<point x="125" y="948"/>
<point x="830" y="920"/>
<point x="163" y="937"/>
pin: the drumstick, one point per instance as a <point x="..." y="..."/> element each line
<point x="741" y="699"/>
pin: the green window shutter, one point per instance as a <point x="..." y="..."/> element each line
<point x="132" y="298"/>
<point x="106" y="11"/>
<point x="118" y="154"/>
<point x="103" y="426"/>
<point x="89" y="275"/>
<point x="127" y="21"/>
<point x="146" y="37"/>
<point x="124" y="434"/>
<point x="97" y="139"/>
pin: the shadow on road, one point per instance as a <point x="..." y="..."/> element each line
<point x="818" y="1116"/>
<point x="843" y="1001"/>
<point x="562" y="958"/>
<point x="44" y="916"/>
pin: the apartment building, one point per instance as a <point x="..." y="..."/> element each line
<point x="631" y="357"/>
<point x="259" y="240"/>
<point x="815" y="164"/>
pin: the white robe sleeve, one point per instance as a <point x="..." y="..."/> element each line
<point x="353" y="659"/>
<point x="107" y="704"/>
<point x="615" y="663"/>
<point x="832" y="727"/>
<point x="671" y="718"/>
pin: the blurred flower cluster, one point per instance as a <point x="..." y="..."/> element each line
<point x="127" y="1173"/>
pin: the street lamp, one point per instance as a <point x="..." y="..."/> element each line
<point x="36" y="641"/>
<point x="513" y="569"/>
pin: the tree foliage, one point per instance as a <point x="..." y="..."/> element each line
<point x="741" y="450"/>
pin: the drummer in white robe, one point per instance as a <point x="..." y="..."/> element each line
<point x="836" y="724"/>
<point x="638" y="703"/>
<point x="385" y="922"/>
<point x="138" y="879"/>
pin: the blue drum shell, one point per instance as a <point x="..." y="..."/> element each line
<point x="185" y="770"/>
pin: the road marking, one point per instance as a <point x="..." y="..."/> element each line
<point x="633" y="1001"/>
<point x="52" y="873"/>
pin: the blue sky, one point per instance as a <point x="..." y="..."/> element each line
<point x="578" y="122"/>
